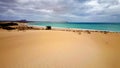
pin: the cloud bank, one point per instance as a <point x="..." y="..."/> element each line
<point x="61" y="10"/>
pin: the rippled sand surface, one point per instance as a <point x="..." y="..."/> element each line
<point x="59" y="49"/>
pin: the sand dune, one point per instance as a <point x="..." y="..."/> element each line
<point x="58" y="49"/>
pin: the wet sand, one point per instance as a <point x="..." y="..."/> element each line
<point x="59" y="49"/>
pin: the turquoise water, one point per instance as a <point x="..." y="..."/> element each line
<point x="115" y="27"/>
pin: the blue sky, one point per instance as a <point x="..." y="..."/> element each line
<point x="61" y="10"/>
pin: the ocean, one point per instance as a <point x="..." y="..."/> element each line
<point x="114" y="27"/>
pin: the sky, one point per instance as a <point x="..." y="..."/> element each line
<point x="61" y="10"/>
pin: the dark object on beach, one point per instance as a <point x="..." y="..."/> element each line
<point x="48" y="27"/>
<point x="88" y="32"/>
<point x="8" y="28"/>
<point x="105" y="32"/>
<point x="79" y="33"/>
<point x="73" y="30"/>
<point x="7" y="24"/>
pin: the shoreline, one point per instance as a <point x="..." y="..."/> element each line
<point x="27" y="26"/>
<point x="73" y="29"/>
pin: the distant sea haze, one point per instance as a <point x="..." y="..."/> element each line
<point x="114" y="27"/>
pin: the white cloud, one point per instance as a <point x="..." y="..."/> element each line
<point x="73" y="10"/>
<point x="46" y="11"/>
<point x="95" y="7"/>
<point x="113" y="10"/>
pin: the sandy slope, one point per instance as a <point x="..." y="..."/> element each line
<point x="59" y="49"/>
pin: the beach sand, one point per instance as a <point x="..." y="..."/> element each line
<point x="59" y="49"/>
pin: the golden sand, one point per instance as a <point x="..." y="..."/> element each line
<point x="59" y="49"/>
